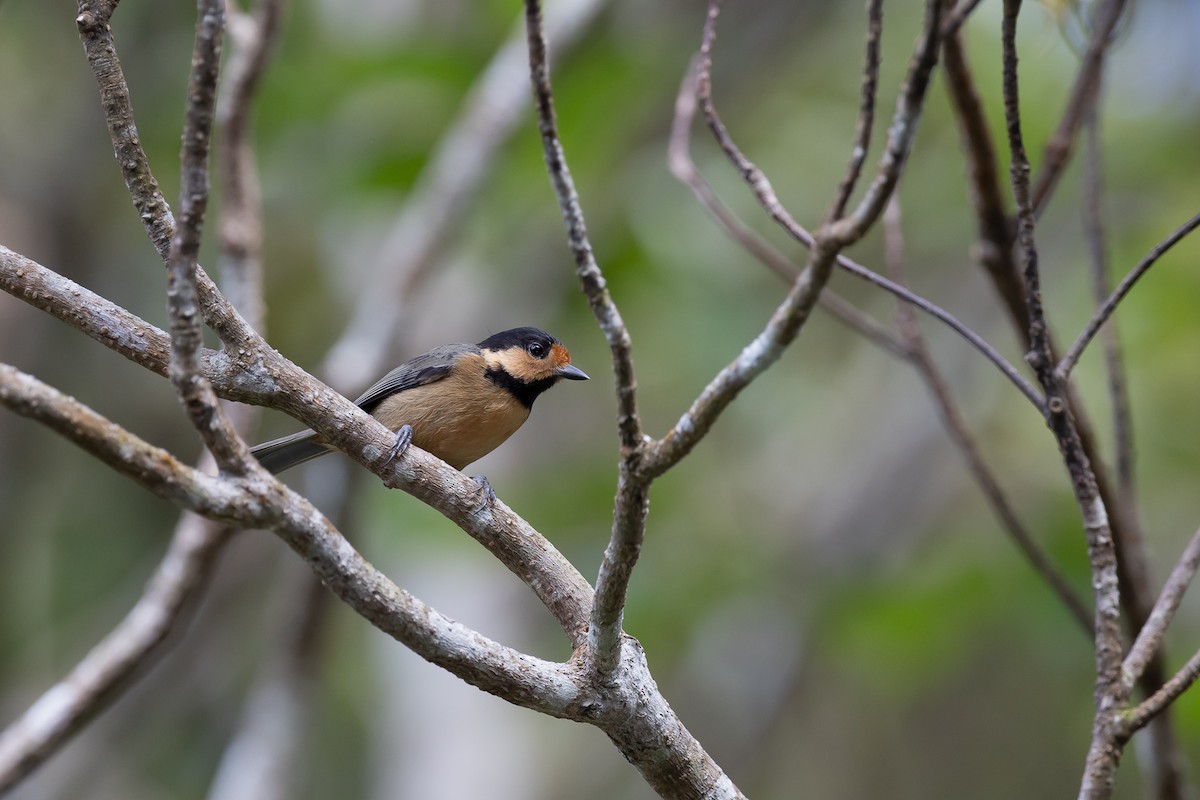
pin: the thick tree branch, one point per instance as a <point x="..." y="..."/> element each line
<point x="273" y="381"/>
<point x="261" y="501"/>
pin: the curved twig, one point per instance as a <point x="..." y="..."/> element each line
<point x="1105" y="311"/>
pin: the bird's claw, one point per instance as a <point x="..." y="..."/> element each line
<point x="403" y="440"/>
<point x="487" y="493"/>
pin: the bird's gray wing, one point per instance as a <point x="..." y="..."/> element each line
<point x="424" y="369"/>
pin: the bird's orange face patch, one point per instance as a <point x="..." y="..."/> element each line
<point x="559" y="356"/>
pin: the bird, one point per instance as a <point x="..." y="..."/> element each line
<point x="458" y="401"/>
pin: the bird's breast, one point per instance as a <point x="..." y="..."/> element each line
<point x="459" y="419"/>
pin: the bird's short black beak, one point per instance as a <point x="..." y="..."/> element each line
<point x="572" y="373"/>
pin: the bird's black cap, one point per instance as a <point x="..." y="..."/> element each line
<point x="517" y="337"/>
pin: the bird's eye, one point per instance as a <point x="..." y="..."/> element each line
<point x="537" y="350"/>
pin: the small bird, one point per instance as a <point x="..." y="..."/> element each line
<point x="458" y="401"/>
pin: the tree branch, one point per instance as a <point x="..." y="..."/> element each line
<point x="1083" y="96"/>
<point x="1105" y="311"/>
<point x="261" y="501"/>
<point x="1102" y="759"/>
<point x="632" y="502"/>
<point x="960" y="433"/>
<point x="866" y="112"/>
<point x="263" y="377"/>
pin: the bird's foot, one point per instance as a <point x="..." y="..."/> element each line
<point x="403" y="440"/>
<point x="487" y="495"/>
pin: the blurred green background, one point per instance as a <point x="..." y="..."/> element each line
<point x="823" y="595"/>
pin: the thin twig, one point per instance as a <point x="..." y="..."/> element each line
<point x="1149" y="638"/>
<point x="901" y="131"/>
<point x="960" y="432"/>
<point x="765" y="194"/>
<point x="1105" y="311"/>
<point x="1118" y="389"/>
<point x="431" y="220"/>
<point x="1083" y="96"/>
<point x="866" y="112"/>
<point x="785" y="324"/>
<point x="995" y="248"/>
<point x="1145" y="711"/>
<point x="195" y="393"/>
<point x="683" y="167"/>
<point x="957" y="16"/>
<point x="148" y="200"/>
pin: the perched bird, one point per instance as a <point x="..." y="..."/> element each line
<point x="458" y="401"/>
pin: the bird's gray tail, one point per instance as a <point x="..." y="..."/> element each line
<point x="280" y="454"/>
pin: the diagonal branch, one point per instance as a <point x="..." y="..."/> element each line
<point x="1123" y="288"/>
<point x="1083" y="96"/>
<point x="866" y="112"/>
<point x="195" y="393"/>
<point x="632" y="501"/>
<point x="153" y="210"/>
<point x="1150" y="637"/>
<point x="960" y="433"/>
<point x="1109" y="690"/>
<point x="269" y="379"/>
<point x="261" y="501"/>
<point x="683" y="167"/>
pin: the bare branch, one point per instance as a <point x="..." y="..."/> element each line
<point x="632" y="502"/>
<point x="590" y="277"/>
<point x="1105" y="311"/>
<point x="955" y="18"/>
<point x="109" y="667"/>
<point x="195" y="393"/>
<point x="1109" y="692"/>
<point x="1118" y="391"/>
<point x="261" y="501"/>
<point x="240" y="225"/>
<point x="995" y="248"/>
<point x="1150" y="637"/>
<point x="960" y="433"/>
<point x="264" y="377"/>
<point x="1152" y="706"/>
<point x="767" y="198"/>
<point x="901" y="132"/>
<point x="1083" y="96"/>
<point x="431" y="219"/>
<point x="682" y="166"/>
<point x="148" y="200"/>
<point x="866" y="111"/>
